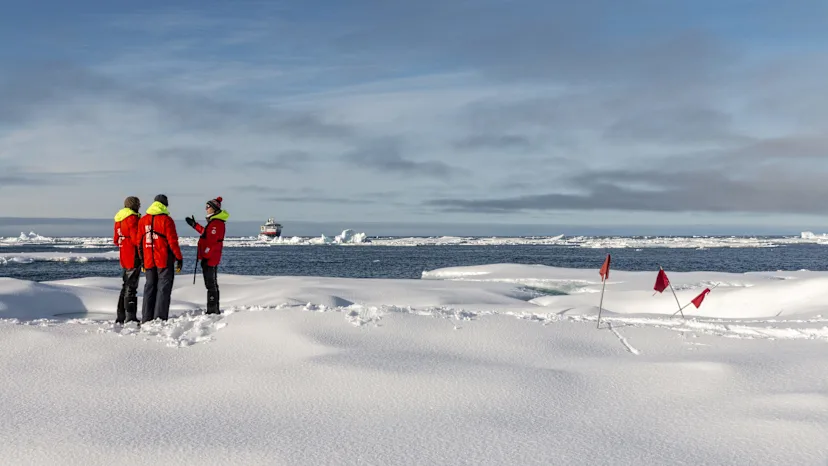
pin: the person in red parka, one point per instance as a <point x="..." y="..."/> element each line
<point x="128" y="238"/>
<point x="161" y="254"/>
<point x="209" y="249"/>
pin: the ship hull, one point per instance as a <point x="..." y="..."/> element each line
<point x="271" y="229"/>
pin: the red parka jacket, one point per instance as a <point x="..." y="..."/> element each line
<point x="211" y="242"/>
<point x="128" y="237"/>
<point x="160" y="237"/>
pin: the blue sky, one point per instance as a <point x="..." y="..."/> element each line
<point x="595" y="112"/>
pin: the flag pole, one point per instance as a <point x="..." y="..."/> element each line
<point x="681" y="309"/>
<point x="605" y="271"/>
<point x="601" y="304"/>
<point x="691" y="302"/>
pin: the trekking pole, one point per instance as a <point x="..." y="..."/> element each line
<point x="195" y="266"/>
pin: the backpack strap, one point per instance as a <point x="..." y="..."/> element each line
<point x="152" y="229"/>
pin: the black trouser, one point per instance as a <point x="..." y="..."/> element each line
<point x="211" y="282"/>
<point x="128" y="300"/>
<point x="157" y="291"/>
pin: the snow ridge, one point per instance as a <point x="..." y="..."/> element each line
<point x="194" y="327"/>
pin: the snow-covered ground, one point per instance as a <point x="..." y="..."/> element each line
<point x="350" y="237"/>
<point x="472" y="365"/>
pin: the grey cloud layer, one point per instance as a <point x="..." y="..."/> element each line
<point x="386" y="157"/>
<point x="294" y="160"/>
<point x="191" y="157"/>
<point x="597" y="104"/>
<point x="22" y="178"/>
<point x="694" y="191"/>
<point x="557" y="41"/>
<point x="28" y="91"/>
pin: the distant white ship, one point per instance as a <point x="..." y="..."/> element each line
<point x="271" y="229"/>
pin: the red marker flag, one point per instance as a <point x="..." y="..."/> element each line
<point x="662" y="282"/>
<point x="698" y="299"/>
<point x="605" y="268"/>
<point x="604" y="276"/>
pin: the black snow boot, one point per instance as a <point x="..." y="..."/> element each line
<point x="212" y="302"/>
<point x="119" y="313"/>
<point x="132" y="310"/>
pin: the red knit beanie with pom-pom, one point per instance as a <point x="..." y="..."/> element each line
<point x="215" y="203"/>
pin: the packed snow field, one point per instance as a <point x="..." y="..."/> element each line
<point x="494" y="364"/>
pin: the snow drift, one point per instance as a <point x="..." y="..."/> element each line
<point x="547" y="293"/>
<point x="750" y="295"/>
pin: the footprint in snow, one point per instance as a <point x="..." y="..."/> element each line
<point x="180" y="331"/>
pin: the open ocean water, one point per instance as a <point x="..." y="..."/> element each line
<point x="373" y="261"/>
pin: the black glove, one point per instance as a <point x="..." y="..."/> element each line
<point x="191" y="221"/>
<point x="179" y="264"/>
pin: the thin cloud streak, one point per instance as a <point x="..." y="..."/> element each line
<point x="699" y="191"/>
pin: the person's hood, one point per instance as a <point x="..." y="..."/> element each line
<point x="157" y="208"/>
<point x="124" y="213"/>
<point x="223" y="216"/>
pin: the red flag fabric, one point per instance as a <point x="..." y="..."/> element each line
<point x="662" y="282"/>
<point x="698" y="299"/>
<point x="605" y="268"/>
